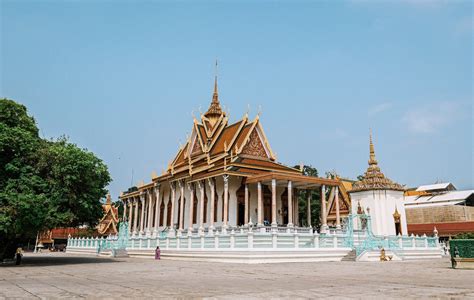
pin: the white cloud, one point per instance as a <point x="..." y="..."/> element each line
<point x="431" y="118"/>
<point x="379" y="108"/>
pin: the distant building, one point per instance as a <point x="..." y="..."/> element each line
<point x="108" y="223"/>
<point x="107" y="226"/>
<point x="439" y="205"/>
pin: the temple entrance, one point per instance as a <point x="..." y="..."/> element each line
<point x="398" y="228"/>
<point x="241" y="206"/>
<point x="162" y="212"/>
<point x="284" y="206"/>
<point x="195" y="208"/>
<point x="267" y="205"/>
<point x="396" y="219"/>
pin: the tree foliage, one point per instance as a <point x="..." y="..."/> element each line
<point x="44" y="183"/>
<point x="315" y="200"/>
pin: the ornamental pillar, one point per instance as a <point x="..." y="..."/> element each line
<point x="201" y="186"/>
<point x="181" y="205"/>
<point x="324" y="220"/>
<point x="157" y="207"/>
<point x="142" y="211"/>
<point x="259" y="205"/>
<point x="290" y="204"/>
<point x="226" y="200"/>
<point x="130" y="211"/>
<point x="246" y="196"/>
<point x="274" y="204"/>
<point x="191" y="208"/>
<point x="150" y="211"/>
<point x="135" y="220"/>
<point x="212" y="185"/>
<point x="309" y="208"/>
<point x="173" y="200"/>
<point x="338" y="216"/>
<point x="124" y="217"/>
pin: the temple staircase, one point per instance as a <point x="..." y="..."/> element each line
<point x="351" y="256"/>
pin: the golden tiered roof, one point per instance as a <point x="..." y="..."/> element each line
<point x="374" y="179"/>
<point x="215" y="146"/>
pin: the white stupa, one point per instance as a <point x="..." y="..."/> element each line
<point x="381" y="198"/>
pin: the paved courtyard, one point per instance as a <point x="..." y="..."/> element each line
<point x="55" y="275"/>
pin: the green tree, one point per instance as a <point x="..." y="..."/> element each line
<point x="315" y="200"/>
<point x="43" y="184"/>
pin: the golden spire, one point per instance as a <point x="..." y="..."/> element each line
<point x="372" y="160"/>
<point x="374" y="179"/>
<point x="214" y="112"/>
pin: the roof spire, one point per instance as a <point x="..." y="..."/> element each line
<point x="374" y="179"/>
<point x="214" y="111"/>
<point x="372" y="160"/>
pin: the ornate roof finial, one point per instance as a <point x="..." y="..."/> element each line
<point x="372" y="160"/>
<point x="374" y="179"/>
<point x="214" y="111"/>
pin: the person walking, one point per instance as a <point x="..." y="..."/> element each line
<point x="18" y="255"/>
<point x="157" y="252"/>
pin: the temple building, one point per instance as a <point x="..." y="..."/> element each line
<point x="224" y="197"/>
<point x="108" y="225"/>
<point x="381" y="198"/>
<point x="226" y="175"/>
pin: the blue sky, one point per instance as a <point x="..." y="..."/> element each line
<point x="122" y="78"/>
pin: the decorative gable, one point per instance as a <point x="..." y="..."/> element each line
<point x="254" y="146"/>
<point x="196" y="150"/>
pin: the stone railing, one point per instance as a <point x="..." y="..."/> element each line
<point x="256" y="238"/>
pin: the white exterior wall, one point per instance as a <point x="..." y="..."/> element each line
<point x="382" y="204"/>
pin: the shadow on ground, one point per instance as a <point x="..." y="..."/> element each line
<point x="32" y="261"/>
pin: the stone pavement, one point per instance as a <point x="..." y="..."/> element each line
<point x="57" y="275"/>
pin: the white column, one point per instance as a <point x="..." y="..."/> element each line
<point x="173" y="200"/>
<point x="124" y="217"/>
<point x="142" y="211"/>
<point x="130" y="214"/>
<point x="338" y="217"/>
<point x="157" y="207"/>
<point x="274" y="204"/>
<point x="290" y="204"/>
<point x="226" y="200"/>
<point x="323" y="209"/>
<point x="202" y="190"/>
<point x="246" y="195"/>
<point x="212" y="185"/>
<point x="135" y="219"/>
<point x="309" y="208"/>
<point x="181" y="205"/>
<point x="191" y="208"/>
<point x="150" y="211"/>
<point x="259" y="204"/>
